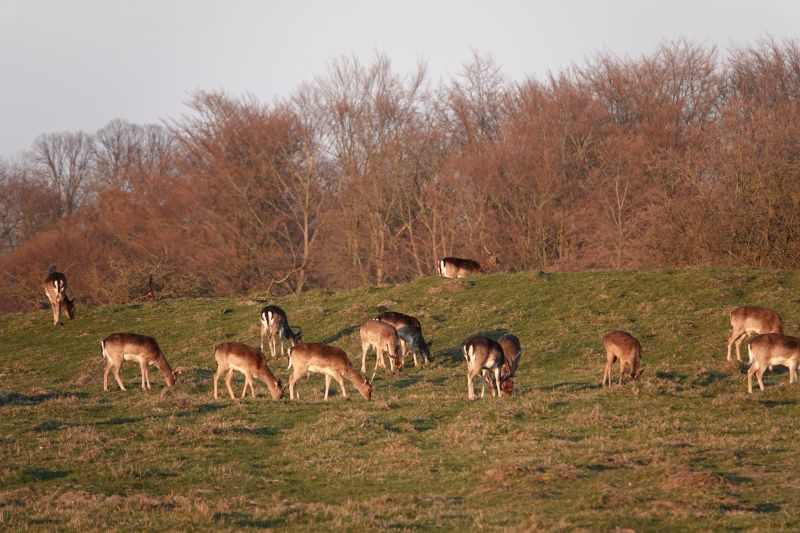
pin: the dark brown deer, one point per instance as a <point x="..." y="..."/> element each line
<point x="483" y="355"/>
<point x="410" y="332"/>
<point x="274" y="322"/>
<point x="55" y="288"/>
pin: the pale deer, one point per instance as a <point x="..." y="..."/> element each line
<point x="749" y="320"/>
<point x="232" y="356"/>
<point x="274" y="322"/>
<point x="327" y="360"/>
<point x="410" y="332"/>
<point x="769" y="349"/>
<point x="483" y="355"/>
<point x="623" y="347"/>
<point x="120" y="347"/>
<point x="55" y="288"/>
<point x="455" y="267"/>
<point x="381" y="337"/>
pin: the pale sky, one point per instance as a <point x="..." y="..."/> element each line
<point x="78" y="64"/>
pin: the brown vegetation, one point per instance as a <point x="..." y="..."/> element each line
<point x="363" y="176"/>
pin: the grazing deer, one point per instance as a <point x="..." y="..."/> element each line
<point x="749" y="320"/>
<point x="623" y="347"/>
<point x="769" y="349"/>
<point x="382" y="338"/>
<point x="512" y="352"/>
<point x="55" y="288"/>
<point x="120" y="347"/>
<point x="482" y="355"/>
<point x="328" y="360"/>
<point x="274" y="322"/>
<point x="454" y="267"/>
<point x="232" y="356"/>
<point x="410" y="332"/>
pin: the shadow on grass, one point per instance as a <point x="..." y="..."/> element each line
<point x="571" y="386"/>
<point x="36" y="474"/>
<point x="777" y="403"/>
<point x="342" y="333"/>
<point x="407" y="381"/>
<point x="709" y="377"/>
<point x="240" y="430"/>
<point x="673" y="376"/>
<point x="15" y="398"/>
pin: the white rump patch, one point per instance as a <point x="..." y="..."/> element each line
<point x="270" y="318"/>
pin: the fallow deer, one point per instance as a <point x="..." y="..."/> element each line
<point x="749" y="320"/>
<point x="512" y="352"/>
<point x="455" y="267"/>
<point x="382" y="338"/>
<point x="327" y="360"/>
<point x="55" y="288"/>
<point x="769" y="349"/>
<point x="232" y="356"/>
<point x="410" y="332"/>
<point x="120" y="347"/>
<point x="482" y="355"/>
<point x="623" y="347"/>
<point x="274" y="322"/>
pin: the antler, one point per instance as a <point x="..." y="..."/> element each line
<point x="487" y="250"/>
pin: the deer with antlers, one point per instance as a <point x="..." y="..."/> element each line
<point x="120" y="347"/>
<point x="327" y="360"/>
<point x="455" y="267"/>
<point x="55" y="288"/>
<point x="232" y="356"/>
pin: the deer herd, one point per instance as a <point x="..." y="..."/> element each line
<point x="396" y="335"/>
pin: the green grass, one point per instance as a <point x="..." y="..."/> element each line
<point x="685" y="448"/>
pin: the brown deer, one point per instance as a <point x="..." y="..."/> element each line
<point x="120" y="347"/>
<point x="232" y="356"/>
<point x="274" y="322"/>
<point x="381" y="337"/>
<point x="769" y="349"/>
<point x="409" y="331"/>
<point x="512" y="352"/>
<point x="455" y="267"/>
<point x="749" y="320"/>
<point x="482" y="355"/>
<point x="327" y="360"/>
<point x="623" y="347"/>
<point x="55" y="288"/>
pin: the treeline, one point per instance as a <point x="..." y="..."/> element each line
<point x="366" y="176"/>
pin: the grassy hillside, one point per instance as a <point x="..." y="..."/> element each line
<point x="685" y="448"/>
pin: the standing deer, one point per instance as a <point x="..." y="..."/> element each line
<point x="769" y="349"/>
<point x="55" y="288"/>
<point x="382" y="338"/>
<point x="455" y="267"/>
<point x="749" y="320"/>
<point x="482" y="355"/>
<point x="327" y="360"/>
<point x="120" y="347"/>
<point x="623" y="347"/>
<point x="232" y="356"/>
<point x="410" y="332"/>
<point x="274" y="322"/>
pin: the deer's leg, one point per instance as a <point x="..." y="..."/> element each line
<point x="109" y="364"/>
<point x="364" y="351"/>
<point x="263" y="334"/>
<point x="292" y="380"/>
<point x="792" y="371"/>
<point x="341" y="385"/>
<point x="734" y="336"/>
<point x="621" y="370"/>
<point x="497" y="380"/>
<point x="228" y="379"/>
<point x="470" y="390"/>
<point x="272" y="347"/>
<point x="143" y="367"/>
<point x="483" y="382"/>
<point x="327" y="385"/>
<point x="217" y="375"/>
<point x="750" y="372"/>
<point x="759" y="375"/>
<point x="247" y="378"/>
<point x="116" y="376"/>
<point x="738" y="343"/>
<point x="391" y="355"/>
